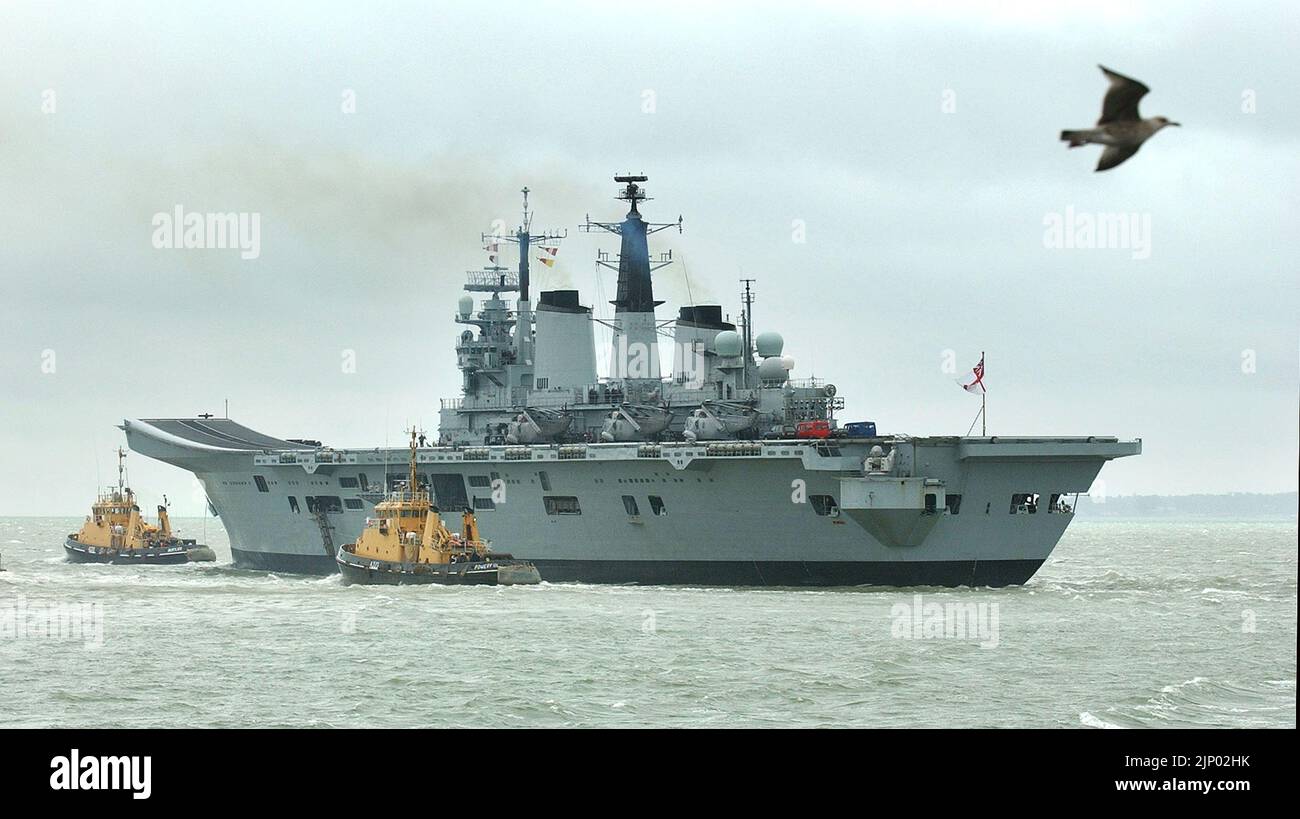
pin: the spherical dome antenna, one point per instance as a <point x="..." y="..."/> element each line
<point x="728" y="344"/>
<point x="769" y="344"/>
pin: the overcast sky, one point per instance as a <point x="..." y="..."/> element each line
<point x="915" y="143"/>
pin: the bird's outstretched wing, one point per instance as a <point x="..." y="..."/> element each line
<point x="1115" y="154"/>
<point x="1121" y="102"/>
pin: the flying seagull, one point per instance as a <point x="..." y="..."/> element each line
<point x="1121" y="129"/>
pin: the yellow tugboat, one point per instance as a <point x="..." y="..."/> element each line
<point x="406" y="542"/>
<point x="116" y="532"/>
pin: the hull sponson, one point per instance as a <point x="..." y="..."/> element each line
<point x="725" y="519"/>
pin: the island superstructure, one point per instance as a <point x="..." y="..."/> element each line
<point x="716" y="473"/>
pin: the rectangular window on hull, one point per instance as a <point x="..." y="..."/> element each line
<point x="353" y="503"/>
<point x="479" y="481"/>
<point x="449" y="491"/>
<point x="325" y="503"/>
<point x="1059" y="505"/>
<point x="629" y="504"/>
<point x="657" y="506"/>
<point x="561" y="505"/>
<point x="482" y="504"/>
<point x="348" y="483"/>
<point x="293" y="504"/>
<point x="1024" y="503"/>
<point x="365" y="482"/>
<point x="953" y="502"/>
<point x="545" y="480"/>
<point x="824" y="505"/>
<point x="261" y="483"/>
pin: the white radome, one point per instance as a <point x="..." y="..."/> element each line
<point x="769" y="344"/>
<point x="728" y="344"/>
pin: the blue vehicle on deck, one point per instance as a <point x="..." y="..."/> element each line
<point x="860" y="429"/>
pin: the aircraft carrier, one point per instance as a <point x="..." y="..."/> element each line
<point x="729" y="470"/>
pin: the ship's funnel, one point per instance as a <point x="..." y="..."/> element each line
<point x="565" y="353"/>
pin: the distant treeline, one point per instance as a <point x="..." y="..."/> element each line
<point x="1238" y="504"/>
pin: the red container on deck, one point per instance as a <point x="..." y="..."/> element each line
<point x="812" y="429"/>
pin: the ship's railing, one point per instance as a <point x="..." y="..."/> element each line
<point x="406" y="496"/>
<point x="807" y="383"/>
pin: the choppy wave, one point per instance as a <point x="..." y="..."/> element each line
<point x="1128" y="626"/>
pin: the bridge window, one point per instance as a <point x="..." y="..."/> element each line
<point x="353" y="503"/>
<point x="953" y="502"/>
<point x="261" y="483"/>
<point x="629" y="504"/>
<point x="561" y="505"/>
<point x="824" y="505"/>
<point x="348" y="483"/>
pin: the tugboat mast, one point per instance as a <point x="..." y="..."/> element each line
<point x="411" y="477"/>
<point x="122" y="490"/>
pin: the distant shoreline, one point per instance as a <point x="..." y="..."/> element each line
<point x="1237" y="505"/>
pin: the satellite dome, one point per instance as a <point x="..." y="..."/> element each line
<point x="465" y="305"/>
<point x="769" y="344"/>
<point x="787" y="361"/>
<point x="728" y="344"/>
<point x="771" y="369"/>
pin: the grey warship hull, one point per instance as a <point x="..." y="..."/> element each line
<point x="782" y="513"/>
<point x="705" y="476"/>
